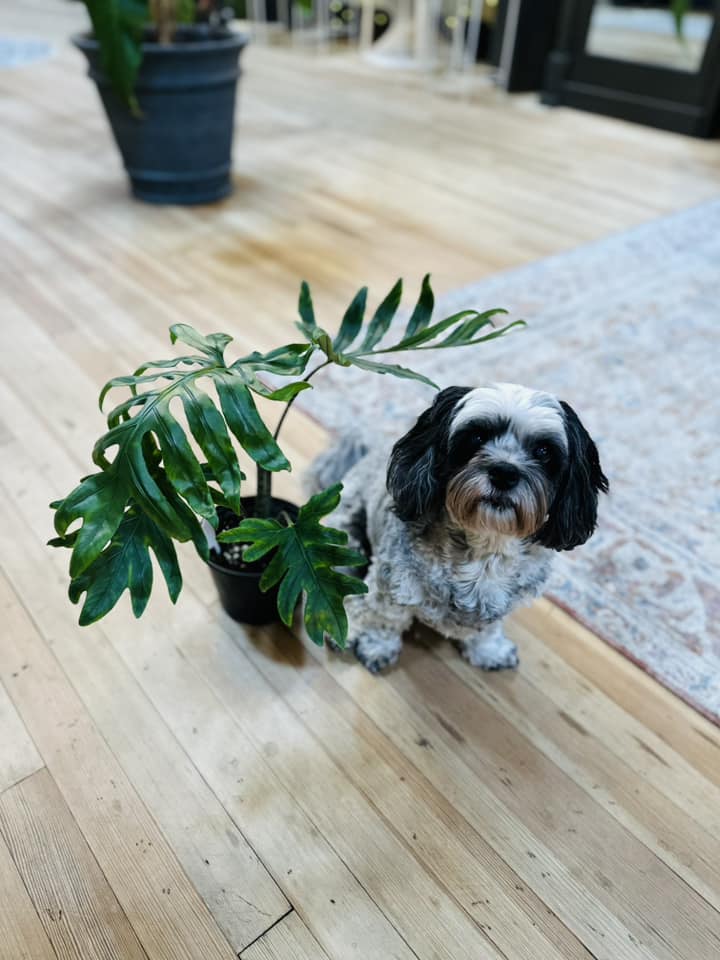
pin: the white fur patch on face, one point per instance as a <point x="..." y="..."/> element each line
<point x="528" y="412"/>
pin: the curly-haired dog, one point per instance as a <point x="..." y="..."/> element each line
<point x="461" y="519"/>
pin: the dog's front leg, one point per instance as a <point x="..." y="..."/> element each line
<point x="376" y="626"/>
<point x="488" y="648"/>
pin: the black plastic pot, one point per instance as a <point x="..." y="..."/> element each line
<point x="179" y="149"/>
<point x="239" y="590"/>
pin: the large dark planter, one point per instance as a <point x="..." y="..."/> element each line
<point x="179" y="150"/>
<point x="239" y="590"/>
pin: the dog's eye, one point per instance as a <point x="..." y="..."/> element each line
<point x="542" y="452"/>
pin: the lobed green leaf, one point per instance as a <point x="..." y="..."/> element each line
<point x="304" y="561"/>
<point x="211" y="345"/>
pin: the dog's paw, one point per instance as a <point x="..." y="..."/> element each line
<point x="497" y="653"/>
<point x="377" y="651"/>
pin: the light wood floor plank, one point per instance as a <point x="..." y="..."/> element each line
<point x="445" y="746"/>
<point x="422" y="910"/>
<point x="80" y="914"/>
<point x="617" y="781"/>
<point x="512" y="916"/>
<point x="18" y="755"/>
<point x="165" y="911"/>
<point x="670" y="723"/>
<point x="22" y="936"/>
<point x="617" y="869"/>
<point x="289" y="939"/>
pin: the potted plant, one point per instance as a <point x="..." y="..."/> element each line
<point x="155" y="489"/>
<point x="166" y="72"/>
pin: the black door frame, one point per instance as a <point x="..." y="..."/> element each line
<point x="660" y="96"/>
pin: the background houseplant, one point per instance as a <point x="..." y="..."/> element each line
<point x="155" y="488"/>
<point x="166" y="72"/>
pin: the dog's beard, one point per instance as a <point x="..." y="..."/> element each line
<point x="476" y="506"/>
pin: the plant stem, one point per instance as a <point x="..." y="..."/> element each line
<point x="285" y="412"/>
<point x="263" y="497"/>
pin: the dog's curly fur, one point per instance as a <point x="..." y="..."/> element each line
<point x="460" y="519"/>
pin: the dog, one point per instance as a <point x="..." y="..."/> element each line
<point x="460" y="519"/>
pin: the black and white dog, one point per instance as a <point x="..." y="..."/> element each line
<point x="460" y="520"/>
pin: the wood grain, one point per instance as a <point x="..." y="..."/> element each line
<point x="21" y="934"/>
<point x="18" y="756"/>
<point x="509" y="912"/>
<point x="289" y="939"/>
<point x="79" y="911"/>
<point x="163" y="908"/>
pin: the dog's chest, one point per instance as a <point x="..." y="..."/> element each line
<point x="466" y="587"/>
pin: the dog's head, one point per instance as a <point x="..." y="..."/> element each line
<point x="501" y="459"/>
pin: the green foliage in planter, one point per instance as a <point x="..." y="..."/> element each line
<point x="151" y="487"/>
<point x="119" y="27"/>
<point x="678" y="9"/>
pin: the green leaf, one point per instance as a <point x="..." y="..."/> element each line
<point x="135" y="381"/>
<point x="383" y="317"/>
<point x="420" y="316"/>
<point x="208" y="427"/>
<point x="464" y="333"/>
<point x="679" y="8"/>
<point x="123" y="410"/>
<point x="100" y="501"/>
<point x="174" y="362"/>
<point x="305" y="306"/>
<point x="245" y="422"/>
<point x="118" y="28"/>
<point x="185" y="11"/>
<point x="289" y="360"/>
<point x="431" y="332"/>
<point x="500" y="332"/>
<point x="213" y="345"/>
<point x="283" y="394"/>
<point x="125" y="564"/>
<point x="394" y="369"/>
<point x="306" y="553"/>
<point x="351" y="322"/>
<point x="321" y="339"/>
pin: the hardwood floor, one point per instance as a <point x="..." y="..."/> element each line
<point x="179" y="787"/>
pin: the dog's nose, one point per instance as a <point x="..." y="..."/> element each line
<point x="504" y="476"/>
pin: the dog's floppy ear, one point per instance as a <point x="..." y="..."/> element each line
<point x="415" y="475"/>
<point x="573" y="514"/>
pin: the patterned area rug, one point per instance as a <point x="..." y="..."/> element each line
<point x="627" y="330"/>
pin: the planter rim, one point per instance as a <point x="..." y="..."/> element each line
<point x="248" y="574"/>
<point x="232" y="39"/>
<point x="239" y="574"/>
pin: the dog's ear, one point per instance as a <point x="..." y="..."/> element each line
<point x="415" y="477"/>
<point x="573" y="514"/>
